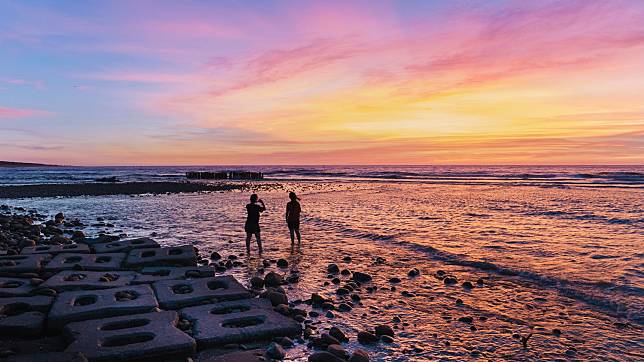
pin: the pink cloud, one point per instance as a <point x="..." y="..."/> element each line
<point x="21" y="113"/>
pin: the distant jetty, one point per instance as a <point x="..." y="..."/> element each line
<point x="24" y="164"/>
<point x="225" y="175"/>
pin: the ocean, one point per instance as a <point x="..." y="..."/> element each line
<point x="548" y="249"/>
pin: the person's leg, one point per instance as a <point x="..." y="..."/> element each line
<point x="299" y="237"/>
<point x="248" y="236"/>
<point x="259" y="242"/>
<point x="291" y="231"/>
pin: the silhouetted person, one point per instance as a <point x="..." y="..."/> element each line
<point x="293" y="210"/>
<point x="252" y="221"/>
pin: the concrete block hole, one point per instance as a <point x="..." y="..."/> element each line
<point x="85" y="300"/>
<point x="244" y="322"/>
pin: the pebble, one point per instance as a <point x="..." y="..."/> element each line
<point x="367" y="337"/>
<point x="466" y="319"/>
<point x="394" y="280"/>
<point x="276" y="298"/>
<point x="414" y="272"/>
<point x="273" y="279"/>
<point x="467" y="285"/>
<point x="333" y="269"/>
<point x="359" y="356"/>
<point x="324" y="356"/>
<point x="384" y="330"/>
<point x="337" y="333"/>
<point x="362" y="277"/>
<point x="339" y="351"/>
<point x="257" y="282"/>
<point x="275" y="351"/>
<point x="282" y="263"/>
<point x="387" y="339"/>
<point x="450" y="280"/>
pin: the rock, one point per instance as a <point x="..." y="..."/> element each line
<point x="215" y="255"/>
<point x="308" y="332"/>
<point x="467" y="285"/>
<point x="367" y="337"/>
<point x="337" y="333"/>
<point x="347" y="259"/>
<point x="344" y="307"/>
<point x="361" y="277"/>
<point x="59" y="217"/>
<point x="394" y="280"/>
<point x="387" y="339"/>
<point x="78" y="235"/>
<point x="345" y="272"/>
<point x="329" y="315"/>
<point x="449" y="280"/>
<point x="286" y="342"/>
<point x="25" y="243"/>
<point x="384" y="330"/>
<point x="359" y="356"/>
<point x="333" y="269"/>
<point x="414" y="272"/>
<point x="324" y="356"/>
<point x="556" y="332"/>
<point x="273" y="279"/>
<point x="339" y="351"/>
<point x="276" y="298"/>
<point x="275" y="351"/>
<point x="257" y="282"/>
<point x="318" y="299"/>
<point x="282" y="263"/>
<point x="342" y="291"/>
<point x="467" y="319"/>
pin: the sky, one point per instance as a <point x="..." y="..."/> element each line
<point x="322" y="82"/>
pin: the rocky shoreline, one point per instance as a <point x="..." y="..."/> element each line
<point x="108" y="188"/>
<point x="67" y="296"/>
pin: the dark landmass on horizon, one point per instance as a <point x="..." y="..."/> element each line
<point x="97" y="189"/>
<point x="25" y="164"/>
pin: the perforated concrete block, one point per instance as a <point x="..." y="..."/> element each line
<point x="92" y="262"/>
<point x="175" y="294"/>
<point x="125" y="245"/>
<point x="171" y="256"/>
<point x="67" y="280"/>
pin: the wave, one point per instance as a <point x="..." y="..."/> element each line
<point x="576" y="289"/>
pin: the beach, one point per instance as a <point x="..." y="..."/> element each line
<point x="458" y="272"/>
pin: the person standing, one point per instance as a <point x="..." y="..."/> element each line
<point x="251" y="227"/>
<point x="293" y="210"/>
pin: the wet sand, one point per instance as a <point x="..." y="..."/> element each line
<point x="96" y="189"/>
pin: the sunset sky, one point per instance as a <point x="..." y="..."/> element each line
<point x="322" y="82"/>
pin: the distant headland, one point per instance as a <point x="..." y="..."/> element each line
<point x="24" y="164"/>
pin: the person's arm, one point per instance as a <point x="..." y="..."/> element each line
<point x="263" y="207"/>
<point x="288" y="209"/>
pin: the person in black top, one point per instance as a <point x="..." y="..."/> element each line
<point x="255" y="207"/>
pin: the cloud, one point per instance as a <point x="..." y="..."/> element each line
<point x="21" y="113"/>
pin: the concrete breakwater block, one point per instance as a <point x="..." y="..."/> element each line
<point x="48" y="357"/>
<point x="155" y="274"/>
<point x="82" y="305"/>
<point x="86" y="280"/>
<point x="150" y="336"/>
<point x="23" y="316"/>
<point x="237" y="322"/>
<point x="39" y="303"/>
<point x="16" y="264"/>
<point x="96" y="262"/>
<point x="175" y="294"/>
<point x="172" y="256"/>
<point x="55" y="249"/>
<point x="125" y="245"/>
<point x="25" y="324"/>
<point x="15" y="287"/>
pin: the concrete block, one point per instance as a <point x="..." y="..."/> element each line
<point x="67" y="280"/>
<point x="15" y="287"/>
<point x="16" y="264"/>
<point x="23" y="316"/>
<point x="254" y="355"/>
<point x="39" y="303"/>
<point x="154" y="274"/>
<point x="47" y="357"/>
<point x="22" y="324"/>
<point x="90" y="304"/>
<point x="149" y="336"/>
<point x="238" y="322"/>
<point x="96" y="262"/>
<point x="122" y="246"/>
<point x="55" y="249"/>
<point x="171" y="256"/>
<point x="175" y="294"/>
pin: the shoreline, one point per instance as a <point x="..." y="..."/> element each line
<point x="99" y="189"/>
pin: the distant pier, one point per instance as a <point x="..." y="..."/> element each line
<point x="225" y="175"/>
